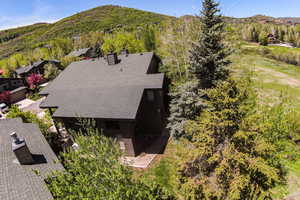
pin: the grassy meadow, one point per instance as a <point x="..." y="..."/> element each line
<point x="272" y="81"/>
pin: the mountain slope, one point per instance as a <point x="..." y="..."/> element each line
<point x="265" y="19"/>
<point x="102" y="18"/>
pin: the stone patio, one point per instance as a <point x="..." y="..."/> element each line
<point x="145" y="159"/>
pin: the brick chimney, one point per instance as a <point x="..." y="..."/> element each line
<point x="112" y="58"/>
<point x="21" y="150"/>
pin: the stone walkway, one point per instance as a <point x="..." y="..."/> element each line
<point x="145" y="159"/>
<point x="295" y="196"/>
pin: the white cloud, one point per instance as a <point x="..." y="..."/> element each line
<point x="41" y="13"/>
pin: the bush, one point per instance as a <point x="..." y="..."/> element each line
<point x="51" y="72"/>
<point x="94" y="171"/>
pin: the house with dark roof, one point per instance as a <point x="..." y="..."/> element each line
<point x="17" y="88"/>
<point x="124" y="94"/>
<point x="26" y="160"/>
<point x="35" y="68"/>
<point x="83" y="53"/>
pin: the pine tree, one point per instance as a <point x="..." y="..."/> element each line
<point x="229" y="158"/>
<point x="208" y="56"/>
<point x="186" y="105"/>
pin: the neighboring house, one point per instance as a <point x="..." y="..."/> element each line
<point x="35" y="68"/>
<point x="81" y="53"/>
<point x="124" y="94"/>
<point x="24" y="164"/>
<point x="272" y="39"/>
<point x="16" y="87"/>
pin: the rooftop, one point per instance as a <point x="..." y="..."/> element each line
<point x="79" y="52"/>
<point x="94" y="89"/>
<point x="26" y="69"/>
<point x="21" y="182"/>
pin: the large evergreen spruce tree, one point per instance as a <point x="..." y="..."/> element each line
<point x="208" y="56"/>
<point x="207" y="64"/>
<point x="229" y="157"/>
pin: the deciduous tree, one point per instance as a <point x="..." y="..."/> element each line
<point x="94" y="171"/>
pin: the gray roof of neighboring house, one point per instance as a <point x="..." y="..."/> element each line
<point x="21" y="182"/>
<point x="23" y="70"/>
<point x="18" y="89"/>
<point x="26" y="69"/>
<point x="6" y="80"/>
<point x="79" y="52"/>
<point x="94" y="89"/>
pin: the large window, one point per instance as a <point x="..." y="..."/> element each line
<point x="112" y="125"/>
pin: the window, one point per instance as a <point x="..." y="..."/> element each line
<point x="112" y="125"/>
<point x="150" y="95"/>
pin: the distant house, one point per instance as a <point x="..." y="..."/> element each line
<point x="26" y="160"/>
<point x="17" y="88"/>
<point x="272" y="39"/>
<point x="81" y="53"/>
<point x="35" y="68"/>
<point x="124" y="94"/>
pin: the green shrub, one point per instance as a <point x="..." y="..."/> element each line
<point x="94" y="171"/>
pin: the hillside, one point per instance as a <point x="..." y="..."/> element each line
<point x="103" y="18"/>
<point x="265" y="19"/>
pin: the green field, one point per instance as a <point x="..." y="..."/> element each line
<point x="272" y="79"/>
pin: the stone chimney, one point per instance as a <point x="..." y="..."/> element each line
<point x="21" y="150"/>
<point x="112" y="58"/>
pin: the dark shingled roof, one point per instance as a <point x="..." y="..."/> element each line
<point x="26" y="69"/>
<point x="79" y="52"/>
<point x="20" y="182"/>
<point x="94" y="89"/>
<point x="18" y="89"/>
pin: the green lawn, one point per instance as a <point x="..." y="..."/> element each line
<point x="271" y="80"/>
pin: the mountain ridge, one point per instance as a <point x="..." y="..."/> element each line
<point x="102" y="18"/>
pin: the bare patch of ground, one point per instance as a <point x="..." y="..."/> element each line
<point x="295" y="196"/>
<point x="281" y="77"/>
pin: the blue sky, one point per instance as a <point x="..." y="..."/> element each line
<point x="15" y="13"/>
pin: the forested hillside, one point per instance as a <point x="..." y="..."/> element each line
<point x="104" y="18"/>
